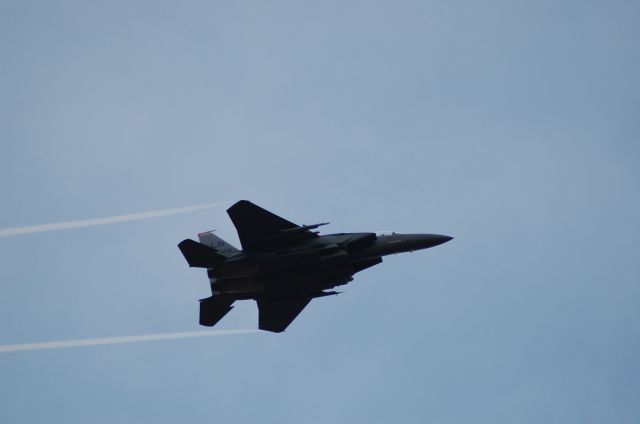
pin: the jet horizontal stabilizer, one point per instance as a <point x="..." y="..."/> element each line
<point x="213" y="309"/>
<point x="198" y="255"/>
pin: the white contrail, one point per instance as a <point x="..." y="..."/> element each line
<point x="116" y="340"/>
<point x="102" y="221"/>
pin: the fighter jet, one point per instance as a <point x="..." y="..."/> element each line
<point x="283" y="266"/>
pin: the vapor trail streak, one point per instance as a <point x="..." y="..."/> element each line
<point x="102" y="221"/>
<point x="117" y="340"/>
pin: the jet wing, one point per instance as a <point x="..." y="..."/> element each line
<point x="259" y="229"/>
<point x="276" y="315"/>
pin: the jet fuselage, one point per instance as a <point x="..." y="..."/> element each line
<point x="310" y="266"/>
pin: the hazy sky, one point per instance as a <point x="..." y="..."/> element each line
<point x="511" y="125"/>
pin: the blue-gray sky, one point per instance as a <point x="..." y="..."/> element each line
<point x="511" y="125"/>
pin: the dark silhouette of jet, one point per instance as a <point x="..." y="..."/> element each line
<point x="282" y="266"/>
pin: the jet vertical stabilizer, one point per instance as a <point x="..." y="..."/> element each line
<point x="222" y="247"/>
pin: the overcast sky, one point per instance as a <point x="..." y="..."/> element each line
<point x="511" y="125"/>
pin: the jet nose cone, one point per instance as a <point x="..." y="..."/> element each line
<point x="432" y="240"/>
<point x="438" y="239"/>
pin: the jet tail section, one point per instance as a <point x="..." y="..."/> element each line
<point x="198" y="255"/>
<point x="213" y="309"/>
<point x="222" y="247"/>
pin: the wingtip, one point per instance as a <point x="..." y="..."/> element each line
<point x="238" y="204"/>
